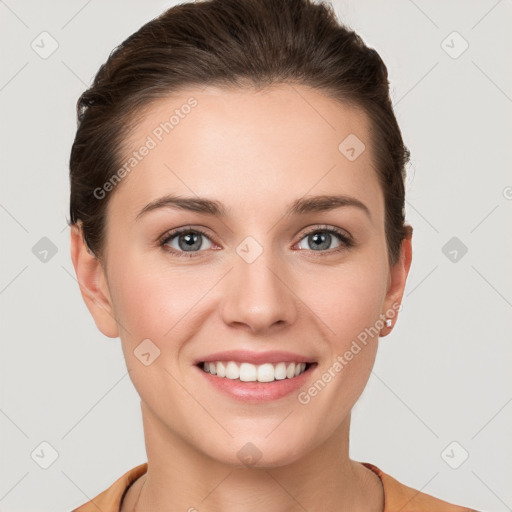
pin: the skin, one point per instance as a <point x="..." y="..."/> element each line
<point x="256" y="152"/>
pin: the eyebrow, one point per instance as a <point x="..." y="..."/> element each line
<point x="215" y="208"/>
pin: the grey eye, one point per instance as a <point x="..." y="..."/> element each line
<point x="188" y="241"/>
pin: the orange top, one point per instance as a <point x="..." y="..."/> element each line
<point x="397" y="496"/>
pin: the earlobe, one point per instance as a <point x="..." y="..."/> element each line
<point x="93" y="284"/>
<point x="397" y="281"/>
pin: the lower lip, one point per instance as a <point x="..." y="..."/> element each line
<point x="257" y="391"/>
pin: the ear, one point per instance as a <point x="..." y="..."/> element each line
<point x="93" y="284"/>
<point x="397" y="279"/>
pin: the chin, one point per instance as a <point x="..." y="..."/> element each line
<point x="257" y="452"/>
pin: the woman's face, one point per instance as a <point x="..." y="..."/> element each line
<point x="269" y="275"/>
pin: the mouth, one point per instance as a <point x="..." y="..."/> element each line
<point x="258" y="382"/>
<point x="248" y="372"/>
<point x="256" y="377"/>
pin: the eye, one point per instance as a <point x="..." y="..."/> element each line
<point x="186" y="240"/>
<point x="320" y="239"/>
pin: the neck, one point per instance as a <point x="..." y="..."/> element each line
<point x="181" y="478"/>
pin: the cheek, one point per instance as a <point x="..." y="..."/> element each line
<point x="147" y="299"/>
<point x="351" y="308"/>
<point x="352" y="301"/>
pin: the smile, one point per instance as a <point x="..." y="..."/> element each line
<point x="248" y="372"/>
<point x="272" y="386"/>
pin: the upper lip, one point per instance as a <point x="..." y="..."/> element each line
<point x="246" y="356"/>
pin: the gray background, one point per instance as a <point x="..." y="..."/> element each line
<point x="443" y="375"/>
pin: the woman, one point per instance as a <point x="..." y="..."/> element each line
<point x="237" y="215"/>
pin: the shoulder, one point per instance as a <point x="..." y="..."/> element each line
<point x="399" y="497"/>
<point x="110" y="499"/>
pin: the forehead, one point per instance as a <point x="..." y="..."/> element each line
<point x="249" y="149"/>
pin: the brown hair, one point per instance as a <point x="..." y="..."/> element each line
<point x="236" y="43"/>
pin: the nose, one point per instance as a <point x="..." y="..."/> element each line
<point x="258" y="297"/>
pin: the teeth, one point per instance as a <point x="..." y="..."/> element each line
<point x="248" y="372"/>
<point x="232" y="370"/>
<point x="221" y="369"/>
<point x="280" y="371"/>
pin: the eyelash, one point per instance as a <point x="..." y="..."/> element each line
<point x="167" y="237"/>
